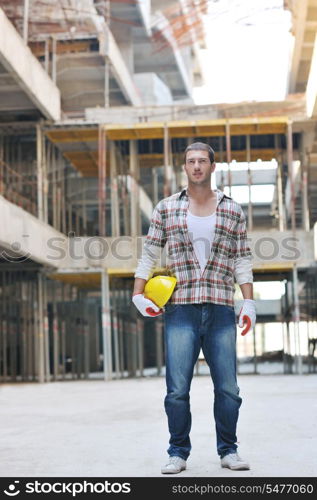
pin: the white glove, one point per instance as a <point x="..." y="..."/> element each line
<point x="247" y="315"/>
<point x="146" y="306"/>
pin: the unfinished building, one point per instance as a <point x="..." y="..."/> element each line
<point x="95" y="110"/>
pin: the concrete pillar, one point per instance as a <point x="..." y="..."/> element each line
<point x="279" y="185"/>
<point x="115" y="324"/>
<point x="155" y="185"/>
<point x="54" y="58"/>
<point x="102" y="152"/>
<point x="296" y="319"/>
<point x="41" y="339"/>
<point x="228" y="150"/>
<point x="115" y="222"/>
<point x="159" y="348"/>
<point x="135" y="178"/>
<point x="140" y="342"/>
<point x="167" y="189"/>
<point x="26" y="21"/>
<point x="250" y="212"/>
<point x="289" y="141"/>
<point x="255" y="364"/>
<point x="305" y="206"/>
<point x="106" y="325"/>
<point x="281" y="211"/>
<point x="39" y="162"/>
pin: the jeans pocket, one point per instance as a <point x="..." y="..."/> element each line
<point x="170" y="308"/>
<point x="231" y="309"/>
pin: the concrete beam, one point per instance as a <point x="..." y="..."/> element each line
<point x="27" y="71"/>
<point x="22" y="233"/>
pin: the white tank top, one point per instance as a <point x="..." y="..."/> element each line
<point x="201" y="231"/>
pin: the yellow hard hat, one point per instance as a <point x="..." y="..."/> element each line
<point x="159" y="289"/>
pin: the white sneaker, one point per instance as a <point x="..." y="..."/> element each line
<point x="234" y="462"/>
<point x="174" y="465"/>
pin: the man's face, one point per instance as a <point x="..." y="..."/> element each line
<point x="198" y="167"/>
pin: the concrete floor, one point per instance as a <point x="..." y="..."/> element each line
<point x="119" y="428"/>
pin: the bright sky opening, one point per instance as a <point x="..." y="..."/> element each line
<point x="248" y="52"/>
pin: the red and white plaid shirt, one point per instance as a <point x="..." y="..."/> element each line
<point x="230" y="245"/>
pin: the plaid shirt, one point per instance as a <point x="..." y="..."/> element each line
<point x="216" y="283"/>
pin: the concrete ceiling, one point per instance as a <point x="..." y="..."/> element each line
<point x="15" y="104"/>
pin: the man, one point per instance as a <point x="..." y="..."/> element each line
<point x="207" y="246"/>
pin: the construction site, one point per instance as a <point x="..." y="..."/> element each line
<point x="96" y="110"/>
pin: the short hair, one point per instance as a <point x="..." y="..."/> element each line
<point x="200" y="146"/>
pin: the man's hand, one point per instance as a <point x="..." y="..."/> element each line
<point x="146" y="306"/>
<point x="247" y="315"/>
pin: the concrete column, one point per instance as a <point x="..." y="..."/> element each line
<point x="255" y="364"/>
<point x="56" y="343"/>
<point x="26" y="21"/>
<point x="115" y="323"/>
<point x="106" y="325"/>
<point x="250" y="212"/>
<point x="155" y="185"/>
<point x="296" y="318"/>
<point x="39" y="161"/>
<point x="169" y="177"/>
<point x="46" y="345"/>
<point x="115" y="222"/>
<point x="47" y="55"/>
<point x="39" y="339"/>
<point x="45" y="180"/>
<point x="102" y="155"/>
<point x="304" y="184"/>
<point x="281" y="216"/>
<point x="289" y="141"/>
<point x="140" y="341"/>
<point x="296" y="311"/>
<point x="134" y="198"/>
<point x="54" y="58"/>
<point x="159" y="348"/>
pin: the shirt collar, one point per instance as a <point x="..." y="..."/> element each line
<point x="220" y="194"/>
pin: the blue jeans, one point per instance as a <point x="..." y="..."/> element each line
<point x="212" y="327"/>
